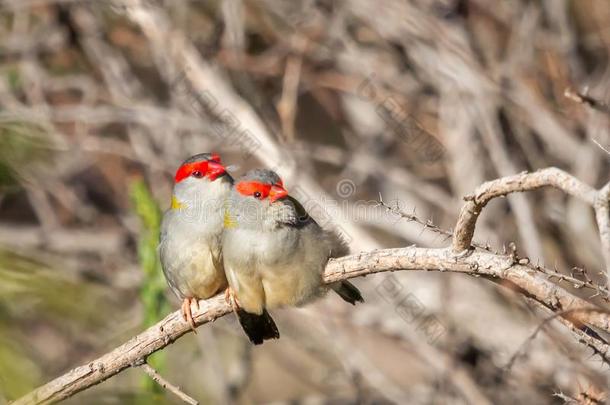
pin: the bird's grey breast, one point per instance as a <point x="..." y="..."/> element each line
<point x="184" y="244"/>
<point x="252" y="247"/>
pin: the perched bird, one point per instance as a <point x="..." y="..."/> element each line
<point x="190" y="246"/>
<point x="274" y="252"/>
<point x="191" y="231"/>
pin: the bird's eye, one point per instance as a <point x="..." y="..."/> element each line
<point x="197" y="174"/>
<point x="257" y="194"/>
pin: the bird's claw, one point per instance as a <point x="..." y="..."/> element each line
<point x="231" y="299"/>
<point x="187" y="313"/>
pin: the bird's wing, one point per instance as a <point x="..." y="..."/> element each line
<point x="164" y="223"/>
<point x="301" y="218"/>
<point x="337" y="246"/>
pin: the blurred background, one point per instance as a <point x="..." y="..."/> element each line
<point x="351" y="101"/>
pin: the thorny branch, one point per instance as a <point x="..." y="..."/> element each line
<point x="550" y="177"/>
<point x="599" y="290"/>
<point x="411" y="258"/>
<point x="496" y="266"/>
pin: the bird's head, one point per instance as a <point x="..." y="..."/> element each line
<point x="199" y="181"/>
<point x="204" y="166"/>
<point x="258" y="200"/>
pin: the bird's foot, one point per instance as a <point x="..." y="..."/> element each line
<point x="187" y="313"/>
<point x="231" y="299"/>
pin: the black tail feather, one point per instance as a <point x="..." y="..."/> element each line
<point x="348" y="292"/>
<point x="258" y="328"/>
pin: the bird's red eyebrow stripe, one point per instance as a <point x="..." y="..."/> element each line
<point x="250" y="187"/>
<point x="186" y="169"/>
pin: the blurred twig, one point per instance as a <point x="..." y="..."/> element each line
<point x="156" y="377"/>
<point x="587" y="100"/>
<point x="602" y="214"/>
<point x="521" y="350"/>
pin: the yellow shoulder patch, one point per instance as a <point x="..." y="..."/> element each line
<point x="176" y="205"/>
<point x="229" y="222"/>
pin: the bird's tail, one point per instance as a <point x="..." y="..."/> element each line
<point x="347" y="291"/>
<point x="258" y="328"/>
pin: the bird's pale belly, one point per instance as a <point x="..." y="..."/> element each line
<point x="201" y="280"/>
<point x="196" y="273"/>
<point x="264" y="276"/>
<point x="289" y="286"/>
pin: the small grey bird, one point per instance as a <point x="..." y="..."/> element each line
<point x="191" y="231"/>
<point x="190" y="246"/>
<point x="274" y="252"/>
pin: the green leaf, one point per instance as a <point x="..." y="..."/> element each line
<point x="152" y="291"/>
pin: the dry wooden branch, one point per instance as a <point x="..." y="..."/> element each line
<point x="550" y="177"/>
<point x="131" y="354"/>
<point x="156" y="377"/>
<point x="136" y="350"/>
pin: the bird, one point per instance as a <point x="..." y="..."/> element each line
<point x="274" y="252"/>
<point x="191" y="230"/>
<point x="190" y="243"/>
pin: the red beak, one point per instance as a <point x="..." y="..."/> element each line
<point x="215" y="170"/>
<point x="277" y="192"/>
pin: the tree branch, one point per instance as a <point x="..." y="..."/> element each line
<point x="136" y="350"/>
<point x="550" y="177"/>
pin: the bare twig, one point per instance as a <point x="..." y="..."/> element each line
<point x="520" y="205"/>
<point x="600" y="290"/>
<point x="414" y="218"/>
<point x="167" y="385"/>
<point x="587" y="100"/>
<point x="602" y="215"/>
<point x="550" y="177"/>
<point x="566" y="398"/>
<point x="521" y="350"/>
<point x="600" y="145"/>
<point x="591" y="102"/>
<point x="287" y="106"/>
<point x="411" y="258"/>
